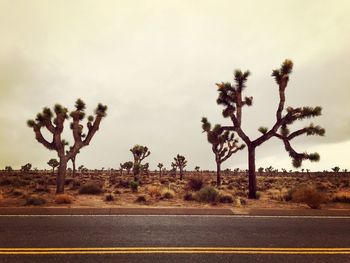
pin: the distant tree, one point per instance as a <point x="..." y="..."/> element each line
<point x="181" y="163"/>
<point x="55" y="126"/>
<point x="145" y="169"/>
<point x="160" y="166"/>
<point x="26" y="167"/>
<point x="127" y="166"/>
<point x="260" y="170"/>
<point x="53" y="163"/>
<point x="173" y="169"/>
<point x="8" y="169"/>
<point x="231" y="97"/>
<point x="197" y="169"/>
<point x="223" y="145"/>
<point x="336" y="169"/>
<point x="139" y="153"/>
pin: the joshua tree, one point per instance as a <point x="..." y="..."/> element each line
<point x="145" y="169"/>
<point x="8" y="169"/>
<point x="160" y="166"/>
<point x="139" y="153"/>
<point x="223" y="144"/>
<point x="336" y="169"/>
<point x="26" y="167"/>
<point x="173" y="169"/>
<point x="73" y="158"/>
<point x="181" y="163"/>
<point x="127" y="166"/>
<point x="231" y="97"/>
<point x="53" y="163"/>
<point x="197" y="169"/>
<point x="55" y="126"/>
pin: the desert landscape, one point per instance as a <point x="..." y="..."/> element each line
<point x="112" y="188"/>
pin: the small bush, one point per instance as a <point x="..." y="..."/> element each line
<point x="188" y="196"/>
<point x="35" y="200"/>
<point x="63" y="199"/>
<point x="195" y="183"/>
<point x="16" y="192"/>
<point x="341" y="198"/>
<point x="141" y="199"/>
<point x="207" y="194"/>
<point x="90" y="189"/>
<point x="74" y="184"/>
<point x="225" y="198"/>
<point x="310" y="196"/>
<point x="154" y="191"/>
<point x="124" y="184"/>
<point x="109" y="197"/>
<point x="257" y="194"/>
<point x="134" y="185"/>
<point x="168" y="194"/>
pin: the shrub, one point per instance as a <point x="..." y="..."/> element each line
<point x="310" y="196"/>
<point x="188" y="196"/>
<point x="109" y="197"/>
<point x="124" y="184"/>
<point x="168" y="194"/>
<point x="207" y="194"/>
<point x="341" y="198"/>
<point x="258" y="195"/>
<point x="134" y="185"/>
<point x="74" y="184"/>
<point x="225" y="197"/>
<point x="154" y="191"/>
<point x="63" y="199"/>
<point x="195" y="183"/>
<point x="35" y="200"/>
<point x="141" y="199"/>
<point x="90" y="189"/>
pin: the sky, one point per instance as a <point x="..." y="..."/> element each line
<point x="155" y="64"/>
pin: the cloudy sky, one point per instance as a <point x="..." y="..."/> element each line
<point x="155" y="64"/>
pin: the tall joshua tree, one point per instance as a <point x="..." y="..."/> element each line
<point x="55" y="125"/>
<point x="231" y="97"/>
<point x="181" y="163"/>
<point x="139" y="153"/>
<point x="223" y="144"/>
<point x="160" y="166"/>
<point x="53" y="163"/>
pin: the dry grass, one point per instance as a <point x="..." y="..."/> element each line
<point x="310" y="196"/>
<point x="63" y="199"/>
<point x="154" y="191"/>
<point x="168" y="194"/>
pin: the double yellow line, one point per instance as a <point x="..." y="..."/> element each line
<point x="173" y="250"/>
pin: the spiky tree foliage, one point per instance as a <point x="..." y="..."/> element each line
<point x="54" y="120"/>
<point x="53" y="163"/>
<point x="26" y="167"/>
<point x="223" y="144"/>
<point x="139" y="153"/>
<point x="145" y="168"/>
<point x="160" y="166"/>
<point x="181" y="163"/>
<point x="231" y="97"/>
<point x="127" y="166"/>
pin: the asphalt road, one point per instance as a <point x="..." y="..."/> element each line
<point x="104" y="239"/>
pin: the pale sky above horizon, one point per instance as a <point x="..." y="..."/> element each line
<point x="155" y="64"/>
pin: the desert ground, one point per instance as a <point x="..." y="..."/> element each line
<point x="101" y="188"/>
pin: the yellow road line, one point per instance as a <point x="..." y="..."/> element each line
<point x="171" y="250"/>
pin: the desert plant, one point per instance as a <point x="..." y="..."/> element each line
<point x="188" y="196"/>
<point x="26" y="167"/>
<point x="35" y="200"/>
<point x="336" y="169"/>
<point x="195" y="183"/>
<point x="223" y="145"/>
<point x="160" y="166"/>
<point x="154" y="191"/>
<point x="8" y="169"/>
<point x="63" y="199"/>
<point x="197" y="169"/>
<point x="141" y="199"/>
<point x="109" y="197"/>
<point x="310" y="196"/>
<point x="207" y="194"/>
<point x="225" y="198"/>
<point x="53" y="163"/>
<point x="139" y="153"/>
<point x="168" y="194"/>
<point x="127" y="166"/>
<point x="134" y="185"/>
<point x="90" y="189"/>
<point x="55" y="126"/>
<point x="181" y="163"/>
<point x="230" y="96"/>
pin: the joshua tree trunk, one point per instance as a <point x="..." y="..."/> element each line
<point x="53" y="171"/>
<point x="160" y="172"/>
<point x="251" y="172"/>
<point x="218" y="170"/>
<point x="181" y="172"/>
<point x="73" y="163"/>
<point x="61" y="175"/>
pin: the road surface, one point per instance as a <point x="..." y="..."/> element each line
<point x="173" y="238"/>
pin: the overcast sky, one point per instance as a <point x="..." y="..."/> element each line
<point x="155" y="64"/>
